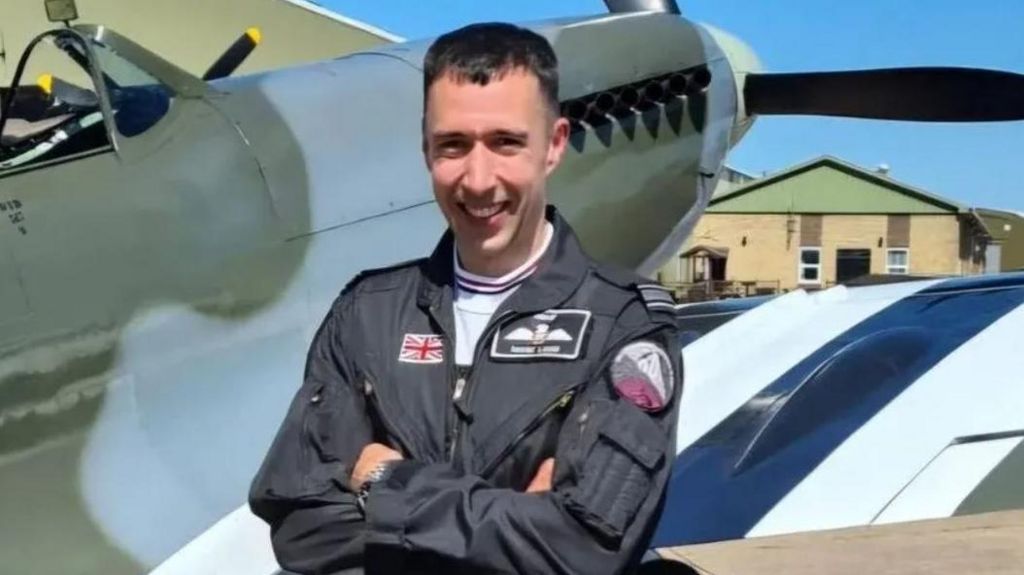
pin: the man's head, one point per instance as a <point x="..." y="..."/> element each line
<point x="491" y="136"/>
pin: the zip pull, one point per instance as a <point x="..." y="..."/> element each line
<point x="582" y="421"/>
<point x="566" y="399"/>
<point x="460" y="407"/>
<point x="367" y="387"/>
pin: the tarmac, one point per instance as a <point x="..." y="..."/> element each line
<point x="983" y="544"/>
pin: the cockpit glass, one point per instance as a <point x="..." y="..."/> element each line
<point x="54" y="111"/>
<point x="138" y="99"/>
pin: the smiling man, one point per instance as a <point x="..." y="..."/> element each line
<point x="506" y="405"/>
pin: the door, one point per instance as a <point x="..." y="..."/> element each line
<point x="852" y="264"/>
<point x="717" y="269"/>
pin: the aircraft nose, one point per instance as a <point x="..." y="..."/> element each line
<point x="743" y="61"/>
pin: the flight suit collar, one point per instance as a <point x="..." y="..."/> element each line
<point x="559" y="273"/>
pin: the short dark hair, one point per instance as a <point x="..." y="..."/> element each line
<point x="479" y="53"/>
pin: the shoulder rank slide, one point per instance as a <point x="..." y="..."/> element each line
<point x="656" y="297"/>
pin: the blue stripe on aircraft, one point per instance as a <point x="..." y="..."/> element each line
<point x="728" y="480"/>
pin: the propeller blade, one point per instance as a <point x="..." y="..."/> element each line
<point x="912" y="94"/>
<point x="616" y="6"/>
<point x="233" y="57"/>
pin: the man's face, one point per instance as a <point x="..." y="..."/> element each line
<point x="489" y="150"/>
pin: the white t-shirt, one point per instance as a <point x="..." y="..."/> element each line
<point x="477" y="297"/>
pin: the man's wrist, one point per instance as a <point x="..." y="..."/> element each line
<point x="378" y="474"/>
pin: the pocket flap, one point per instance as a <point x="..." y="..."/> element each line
<point x="636" y="433"/>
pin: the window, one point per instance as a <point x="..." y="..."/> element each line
<point x="897" y="261"/>
<point x="809" y="266"/>
<point x="852" y="264"/>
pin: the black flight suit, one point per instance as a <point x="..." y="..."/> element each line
<point x="456" y="504"/>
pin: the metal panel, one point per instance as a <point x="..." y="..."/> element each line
<point x="947" y="480"/>
<point x="12" y="296"/>
<point x="973" y="390"/>
<point x="1000" y="489"/>
<point x="732" y="477"/>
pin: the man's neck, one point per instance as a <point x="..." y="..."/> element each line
<point x="498" y="267"/>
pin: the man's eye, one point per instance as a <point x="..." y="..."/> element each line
<point x="510" y="144"/>
<point x="451" y="148"/>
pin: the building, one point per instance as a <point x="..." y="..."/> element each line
<point x="821" y="223"/>
<point x="193" y="33"/>
<point x="730" y="179"/>
<point x="1006" y="252"/>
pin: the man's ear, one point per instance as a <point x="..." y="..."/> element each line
<point x="423" y="141"/>
<point x="556" y="146"/>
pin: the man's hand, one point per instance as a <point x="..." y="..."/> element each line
<point x="541" y="481"/>
<point x="372" y="455"/>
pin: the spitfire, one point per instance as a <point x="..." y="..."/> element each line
<point x="177" y="240"/>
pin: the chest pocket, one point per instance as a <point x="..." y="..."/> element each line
<point x="620" y="449"/>
<point x="513" y="464"/>
<point x="388" y="426"/>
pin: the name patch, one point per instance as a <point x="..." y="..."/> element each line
<point x="553" y="334"/>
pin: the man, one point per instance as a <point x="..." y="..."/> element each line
<point x="505" y="405"/>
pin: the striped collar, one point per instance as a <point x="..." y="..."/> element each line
<point x="559" y="273"/>
<point x="474" y="283"/>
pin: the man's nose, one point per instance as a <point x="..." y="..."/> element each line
<point x="480" y="175"/>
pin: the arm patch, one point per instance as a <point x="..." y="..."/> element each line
<point x="642" y="374"/>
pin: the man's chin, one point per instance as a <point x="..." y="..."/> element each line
<point x="483" y="248"/>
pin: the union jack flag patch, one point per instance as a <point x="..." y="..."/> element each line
<point x="418" y="348"/>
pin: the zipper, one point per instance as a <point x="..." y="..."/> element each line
<point x="462" y="390"/>
<point x="451" y="421"/>
<point x="391" y="430"/>
<point x="582" y="421"/>
<point x="453" y="436"/>
<point x="558" y="405"/>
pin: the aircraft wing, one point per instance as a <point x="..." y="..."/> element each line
<point x="849" y="407"/>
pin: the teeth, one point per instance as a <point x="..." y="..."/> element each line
<point x="484" y="212"/>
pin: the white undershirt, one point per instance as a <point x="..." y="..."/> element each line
<point x="477" y="297"/>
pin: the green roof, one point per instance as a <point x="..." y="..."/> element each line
<point x="1002" y="223"/>
<point x="828" y="185"/>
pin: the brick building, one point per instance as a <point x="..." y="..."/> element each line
<point x="820" y="223"/>
<point x="1006" y="251"/>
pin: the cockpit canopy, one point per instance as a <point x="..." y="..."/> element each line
<point x="106" y="89"/>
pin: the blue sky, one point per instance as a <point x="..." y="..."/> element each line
<point x="976" y="164"/>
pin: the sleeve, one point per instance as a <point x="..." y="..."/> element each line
<point x="300" y="490"/>
<point x="612" y="465"/>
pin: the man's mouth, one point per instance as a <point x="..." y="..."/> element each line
<point x="484" y="212"/>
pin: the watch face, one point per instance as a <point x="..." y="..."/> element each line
<point x="380" y="472"/>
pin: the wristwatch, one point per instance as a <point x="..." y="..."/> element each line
<point x="376" y="475"/>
